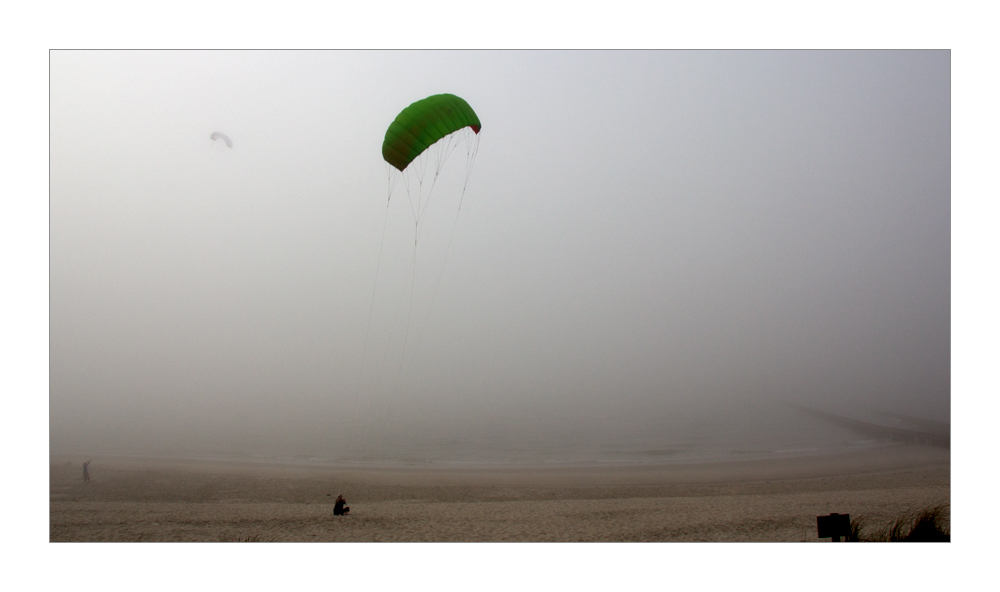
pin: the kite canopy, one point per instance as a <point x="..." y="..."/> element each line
<point x="219" y="135"/>
<point x="422" y="124"/>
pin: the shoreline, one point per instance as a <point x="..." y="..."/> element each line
<point x="786" y="467"/>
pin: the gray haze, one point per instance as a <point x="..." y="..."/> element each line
<point x="648" y="241"/>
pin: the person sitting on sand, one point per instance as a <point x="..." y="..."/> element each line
<point x="86" y="475"/>
<point x="339" y="509"/>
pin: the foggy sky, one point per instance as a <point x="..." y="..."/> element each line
<point x="642" y="232"/>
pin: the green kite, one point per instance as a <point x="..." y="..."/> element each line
<point x="422" y="124"/>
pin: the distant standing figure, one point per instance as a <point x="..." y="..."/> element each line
<point x="339" y="509"/>
<point x="86" y="475"/>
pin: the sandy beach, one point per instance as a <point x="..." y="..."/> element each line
<point x="775" y="499"/>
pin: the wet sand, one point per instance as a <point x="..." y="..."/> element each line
<point x="776" y="499"/>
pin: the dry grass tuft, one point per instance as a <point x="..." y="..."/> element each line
<point x="929" y="525"/>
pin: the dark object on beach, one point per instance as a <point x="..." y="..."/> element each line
<point x="834" y="526"/>
<point x="86" y="475"/>
<point x="925" y="526"/>
<point x="339" y="509"/>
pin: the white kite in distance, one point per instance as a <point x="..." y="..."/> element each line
<point x="219" y="135"/>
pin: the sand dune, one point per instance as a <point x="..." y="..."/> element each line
<point x="133" y="499"/>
